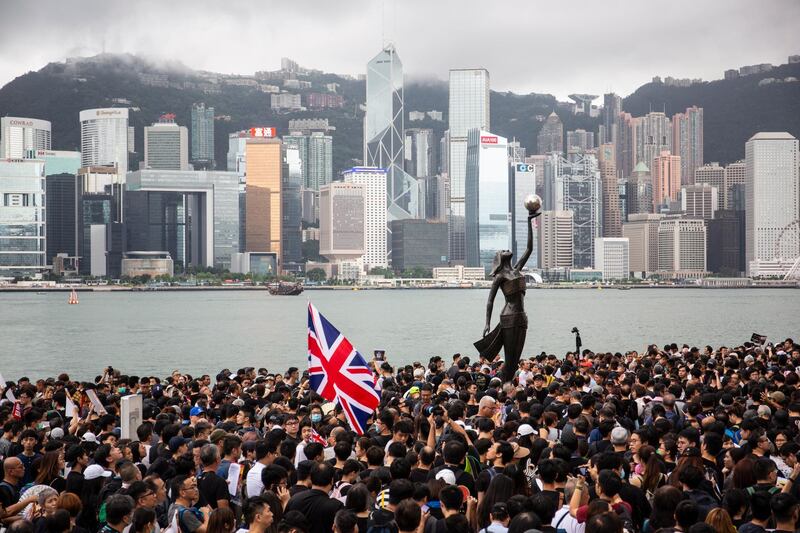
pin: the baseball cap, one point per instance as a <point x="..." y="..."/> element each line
<point x="57" y="433"/>
<point x="196" y="411"/>
<point x="95" y="471"/>
<point x="525" y="429"/>
<point x="176" y="442"/>
<point x="447" y="475"/>
<point x="89" y="437"/>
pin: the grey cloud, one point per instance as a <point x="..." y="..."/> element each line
<point x="528" y="46"/>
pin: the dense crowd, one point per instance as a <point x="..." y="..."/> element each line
<point x="667" y="439"/>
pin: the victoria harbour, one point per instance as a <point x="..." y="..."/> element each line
<point x="205" y="331"/>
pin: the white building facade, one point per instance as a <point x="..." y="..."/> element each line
<point x="375" y="233"/>
<point x="772" y="200"/>
<point x="104" y="138"/>
<point x="21" y="137"/>
<point x="612" y="257"/>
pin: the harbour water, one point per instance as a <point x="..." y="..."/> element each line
<point x="205" y="331"/>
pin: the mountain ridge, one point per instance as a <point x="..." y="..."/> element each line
<point x="733" y="109"/>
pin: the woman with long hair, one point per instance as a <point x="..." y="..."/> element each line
<point x="650" y="476"/>
<point x="90" y="503"/>
<point x="222" y="520"/>
<point x="720" y="520"/>
<point x="510" y="332"/>
<point x="549" y="430"/>
<point x="358" y="501"/>
<point x="500" y="489"/>
<point x="665" y="501"/>
<point x="51" y="467"/>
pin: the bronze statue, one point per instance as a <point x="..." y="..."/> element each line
<point x="512" y="328"/>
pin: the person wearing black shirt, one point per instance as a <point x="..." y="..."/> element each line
<point x="315" y="503"/>
<point x="213" y="489"/>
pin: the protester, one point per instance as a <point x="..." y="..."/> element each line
<point x="673" y="439"/>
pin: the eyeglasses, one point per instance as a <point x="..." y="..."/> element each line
<point x="147" y="495"/>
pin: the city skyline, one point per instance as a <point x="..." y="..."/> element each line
<point x="144" y="29"/>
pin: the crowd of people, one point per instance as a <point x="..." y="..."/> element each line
<point x="664" y="440"/>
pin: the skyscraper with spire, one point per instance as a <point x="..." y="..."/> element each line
<point x="384" y="135"/>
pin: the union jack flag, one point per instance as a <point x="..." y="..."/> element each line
<point x="338" y="372"/>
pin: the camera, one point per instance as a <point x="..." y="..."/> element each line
<point x="435" y="410"/>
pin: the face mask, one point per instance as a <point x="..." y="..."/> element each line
<point x="377" y="428"/>
<point x="316" y="418"/>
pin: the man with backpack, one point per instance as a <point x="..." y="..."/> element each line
<point x="14" y="471"/>
<point x="183" y="516"/>
<point x="501" y="454"/>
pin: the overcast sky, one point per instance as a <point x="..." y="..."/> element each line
<point x="543" y="46"/>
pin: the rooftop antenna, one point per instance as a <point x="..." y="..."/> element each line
<point x="383" y="23"/>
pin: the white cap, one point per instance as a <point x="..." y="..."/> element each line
<point x="525" y="429"/>
<point x="447" y="475"/>
<point x="419" y="372"/>
<point x="57" y="433"/>
<point x="89" y="437"/>
<point x="95" y="471"/>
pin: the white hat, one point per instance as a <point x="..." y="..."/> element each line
<point x="447" y="475"/>
<point x="57" y="433"/>
<point x="89" y="437"/>
<point x="95" y="471"/>
<point x="525" y="429"/>
<point x="419" y="372"/>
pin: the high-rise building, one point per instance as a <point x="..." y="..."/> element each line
<point x="666" y="179"/>
<point x="735" y="177"/>
<point x="551" y="136"/>
<point x="487" y="210"/>
<point x="772" y="192"/>
<point x="320" y="160"/>
<point x="612" y="214"/>
<point x="612" y="107"/>
<point x="699" y="201"/>
<point x="641" y="230"/>
<point x="713" y="175"/>
<point x="375" y="234"/>
<point x="384" y="137"/>
<point x="578" y="189"/>
<point x="202" y="135"/>
<point x="682" y="247"/>
<point x="469" y="109"/>
<point x="263" y="217"/>
<point x="61" y="191"/>
<point x="166" y="145"/>
<point x="104" y="138"/>
<point x="419" y="152"/>
<point x="342" y="220"/>
<point x="554" y="240"/>
<point x="22" y="217"/>
<point x="524" y="183"/>
<point x="626" y="144"/>
<point x="652" y="136"/>
<point x="299" y="140"/>
<point x="687" y="141"/>
<point x="640" y="190"/>
<point x="193" y="215"/>
<point x="291" y="210"/>
<point x="611" y="257"/>
<point x="580" y="140"/>
<point x="726" y="243"/>
<point x="418" y="244"/>
<point x="21" y="137"/>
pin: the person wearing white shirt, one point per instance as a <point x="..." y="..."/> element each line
<point x="563" y="520"/>
<point x="265" y="454"/>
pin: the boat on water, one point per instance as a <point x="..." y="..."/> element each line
<point x="285" y="288"/>
<point x="73" y="298"/>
